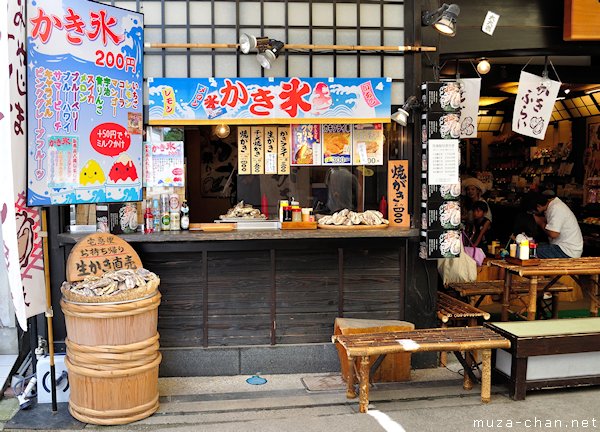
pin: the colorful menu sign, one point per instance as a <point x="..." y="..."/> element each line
<point x="84" y="92"/>
<point x="164" y="164"/>
<point x="269" y="100"/>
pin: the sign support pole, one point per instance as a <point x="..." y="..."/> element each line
<point x="49" y="312"/>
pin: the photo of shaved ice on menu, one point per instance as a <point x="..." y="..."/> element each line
<point x="337" y="144"/>
<point x="367" y="144"/>
<point x="306" y="144"/>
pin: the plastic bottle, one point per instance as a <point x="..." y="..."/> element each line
<point x="148" y="218"/>
<point x="383" y="206"/>
<point x="524" y="250"/>
<point x="165" y="215"/>
<point x="264" y="206"/>
<point x="156" y="213"/>
<point x="185" y="218"/>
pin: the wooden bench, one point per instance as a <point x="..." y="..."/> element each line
<point x="443" y="339"/>
<point x="477" y="291"/>
<point x="457" y="313"/>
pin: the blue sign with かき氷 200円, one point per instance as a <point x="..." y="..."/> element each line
<point x="84" y="93"/>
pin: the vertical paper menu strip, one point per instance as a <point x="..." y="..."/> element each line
<point x="398" y="193"/>
<point x="283" y="150"/>
<point x="243" y="150"/>
<point x="257" y="150"/>
<point x="270" y="150"/>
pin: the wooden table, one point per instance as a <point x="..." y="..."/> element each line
<point x="559" y="353"/>
<point x="553" y="268"/>
<point x="363" y="346"/>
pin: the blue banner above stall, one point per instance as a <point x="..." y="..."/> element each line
<point x="181" y="101"/>
<point x="84" y="93"/>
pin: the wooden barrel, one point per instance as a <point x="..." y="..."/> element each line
<point x="112" y="360"/>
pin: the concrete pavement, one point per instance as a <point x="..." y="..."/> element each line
<point x="432" y="401"/>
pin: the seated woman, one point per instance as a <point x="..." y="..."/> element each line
<point x="473" y="189"/>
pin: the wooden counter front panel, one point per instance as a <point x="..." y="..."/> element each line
<point x="304" y="291"/>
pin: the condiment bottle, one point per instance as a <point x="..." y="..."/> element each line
<point x="185" y="218"/>
<point x="282" y="205"/>
<point x="264" y="205"/>
<point x="296" y="214"/>
<point x="287" y="213"/>
<point x="532" y="250"/>
<point x="383" y="206"/>
<point x="524" y="250"/>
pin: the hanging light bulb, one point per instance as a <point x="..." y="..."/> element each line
<point x="222" y="131"/>
<point x="483" y="66"/>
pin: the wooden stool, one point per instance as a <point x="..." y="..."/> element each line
<point x="395" y="367"/>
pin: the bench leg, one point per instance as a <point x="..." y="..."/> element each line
<point x="486" y="375"/>
<point x="532" y="307"/>
<point x="594" y="293"/>
<point x="506" y="296"/>
<point x="363" y="404"/>
<point x="350" y="392"/>
<point x="444" y="354"/>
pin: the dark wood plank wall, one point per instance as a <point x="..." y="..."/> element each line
<point x="250" y="302"/>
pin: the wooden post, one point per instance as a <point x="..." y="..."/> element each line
<point x="350" y="392"/>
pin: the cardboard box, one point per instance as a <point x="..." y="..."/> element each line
<point x="442" y="96"/>
<point x="440" y="126"/>
<point x="440" y="244"/>
<point x="440" y="216"/>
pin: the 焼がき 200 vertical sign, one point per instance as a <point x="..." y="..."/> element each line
<point x="84" y="93"/>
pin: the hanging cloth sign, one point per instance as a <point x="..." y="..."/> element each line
<point x="533" y="106"/>
<point x="469" y="107"/>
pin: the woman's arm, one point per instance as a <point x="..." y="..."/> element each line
<point x="485" y="228"/>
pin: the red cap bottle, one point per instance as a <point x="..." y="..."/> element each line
<point x="383" y="206"/>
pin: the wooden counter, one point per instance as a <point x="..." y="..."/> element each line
<point x="272" y="287"/>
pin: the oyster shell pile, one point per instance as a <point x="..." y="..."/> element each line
<point x="242" y="210"/>
<point x="348" y="218"/>
<point x="111" y="283"/>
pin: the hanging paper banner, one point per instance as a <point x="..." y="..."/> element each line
<point x="337" y="144"/>
<point x="367" y="144"/>
<point x="306" y="144"/>
<point x="398" y="193"/>
<point x="257" y="150"/>
<point x="85" y="103"/>
<point x="243" y="150"/>
<point x="28" y="222"/>
<point x="283" y="150"/>
<point x="469" y="109"/>
<point x="10" y="280"/>
<point x="270" y="150"/>
<point x="443" y="161"/>
<point x="534" y="104"/>
<point x="269" y="100"/>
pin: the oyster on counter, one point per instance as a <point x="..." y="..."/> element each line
<point x="349" y="218"/>
<point x="245" y="211"/>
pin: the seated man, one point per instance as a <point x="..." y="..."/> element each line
<point x="560" y="225"/>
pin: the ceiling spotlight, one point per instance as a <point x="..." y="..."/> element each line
<point x="249" y="42"/>
<point x="483" y="66"/>
<point x="442" y="19"/>
<point x="402" y="115"/>
<point x="222" y="131"/>
<point x="268" y="53"/>
<point x="567" y="91"/>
